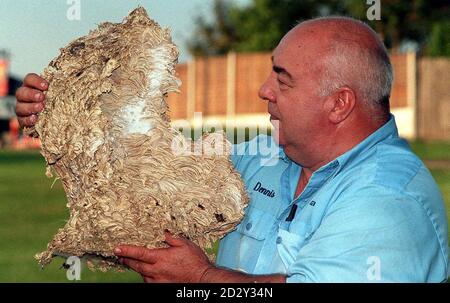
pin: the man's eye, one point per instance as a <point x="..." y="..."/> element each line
<point x="282" y="84"/>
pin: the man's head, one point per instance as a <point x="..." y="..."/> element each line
<point x="329" y="87"/>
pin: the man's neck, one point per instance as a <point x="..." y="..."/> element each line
<point x="339" y="141"/>
<point x="305" y="175"/>
<point x="335" y="147"/>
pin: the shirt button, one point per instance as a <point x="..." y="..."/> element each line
<point x="248" y="226"/>
<point x="279" y="239"/>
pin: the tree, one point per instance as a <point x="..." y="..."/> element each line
<point x="402" y="20"/>
<point x="216" y="38"/>
<point x="260" y="25"/>
<point x="439" y="40"/>
<point x="256" y="27"/>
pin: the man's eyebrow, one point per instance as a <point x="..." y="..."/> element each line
<point x="280" y="70"/>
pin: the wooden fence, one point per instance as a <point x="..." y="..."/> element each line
<point x="226" y="87"/>
<point x="433" y="110"/>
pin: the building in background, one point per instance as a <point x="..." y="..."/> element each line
<point x="5" y="103"/>
<point x="10" y="134"/>
<point x="4" y="83"/>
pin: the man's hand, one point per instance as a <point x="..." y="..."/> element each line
<point x="183" y="261"/>
<point x="30" y="99"/>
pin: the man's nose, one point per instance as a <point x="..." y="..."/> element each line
<point x="266" y="93"/>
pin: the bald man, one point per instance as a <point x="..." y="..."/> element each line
<point x="342" y="200"/>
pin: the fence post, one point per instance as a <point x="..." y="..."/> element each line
<point x="191" y="83"/>
<point x="231" y="84"/>
<point x="411" y="89"/>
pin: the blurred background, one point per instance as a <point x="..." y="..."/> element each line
<point x="225" y="48"/>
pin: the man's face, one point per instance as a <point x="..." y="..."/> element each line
<point x="291" y="90"/>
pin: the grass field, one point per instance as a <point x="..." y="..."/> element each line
<point x="31" y="211"/>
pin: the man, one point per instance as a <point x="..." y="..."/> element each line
<point x="349" y="201"/>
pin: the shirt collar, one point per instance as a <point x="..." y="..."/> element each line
<point x="387" y="131"/>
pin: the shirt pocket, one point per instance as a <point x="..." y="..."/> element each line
<point x="256" y="224"/>
<point x="289" y="243"/>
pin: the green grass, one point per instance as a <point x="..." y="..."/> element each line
<point x="31" y="212"/>
<point x="431" y="150"/>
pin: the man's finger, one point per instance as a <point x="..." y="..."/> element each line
<point x="28" y="109"/>
<point x="27" y="121"/>
<point x="138" y="266"/>
<point x="137" y="253"/>
<point x="35" y="81"/>
<point x="173" y="241"/>
<point x="26" y="94"/>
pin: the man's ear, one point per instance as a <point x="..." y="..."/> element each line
<point x="340" y="104"/>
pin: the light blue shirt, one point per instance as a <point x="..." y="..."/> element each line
<point x="374" y="214"/>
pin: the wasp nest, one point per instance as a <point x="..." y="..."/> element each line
<point x="128" y="175"/>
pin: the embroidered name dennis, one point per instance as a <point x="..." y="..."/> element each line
<point x="269" y="193"/>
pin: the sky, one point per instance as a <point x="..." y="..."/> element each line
<point x="32" y="31"/>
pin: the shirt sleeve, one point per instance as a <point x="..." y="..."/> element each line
<point x="376" y="237"/>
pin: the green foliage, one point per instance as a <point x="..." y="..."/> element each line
<point x="260" y="25"/>
<point x="402" y="20"/>
<point x="439" y="40"/>
<point x="221" y="34"/>
<point x="256" y="27"/>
